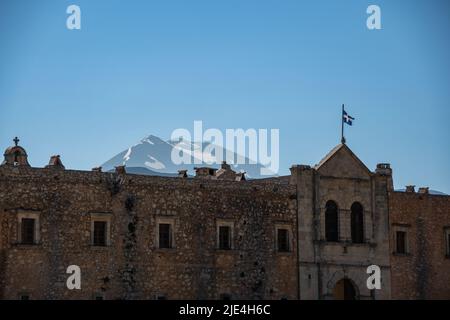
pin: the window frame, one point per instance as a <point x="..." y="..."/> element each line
<point x="447" y="241"/>
<point x="290" y="243"/>
<point x="401" y="228"/>
<point x="101" y="217"/>
<point x="165" y="220"/>
<point x="37" y="227"/>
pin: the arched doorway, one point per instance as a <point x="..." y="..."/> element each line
<point x="344" y="290"/>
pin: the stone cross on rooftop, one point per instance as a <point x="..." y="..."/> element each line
<point x="16" y="141"/>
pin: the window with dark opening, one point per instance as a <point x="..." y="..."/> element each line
<point x="357" y="223"/>
<point x="283" y="240"/>
<point x="165" y="235"/>
<point x="28" y="226"/>
<point x="100" y="233"/>
<point x="401" y="242"/>
<point x="331" y="222"/>
<point x="224" y="237"/>
<point x="448" y="243"/>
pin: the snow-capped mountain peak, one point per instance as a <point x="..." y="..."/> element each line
<point x="152" y="155"/>
<point x="151" y="139"/>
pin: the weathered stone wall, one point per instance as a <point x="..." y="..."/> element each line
<point x="424" y="271"/>
<point x="132" y="267"/>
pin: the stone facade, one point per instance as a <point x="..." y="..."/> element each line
<point x="131" y="266"/>
<point x="223" y="236"/>
<point x="342" y="178"/>
<point x="423" y="271"/>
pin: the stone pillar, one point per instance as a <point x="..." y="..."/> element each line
<point x="382" y="187"/>
<point x="303" y="176"/>
<point x="384" y="169"/>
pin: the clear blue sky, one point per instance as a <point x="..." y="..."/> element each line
<point x="149" y="67"/>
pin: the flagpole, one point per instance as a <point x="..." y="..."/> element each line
<point x="342" y="125"/>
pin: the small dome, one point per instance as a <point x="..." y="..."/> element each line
<point x="15" y="155"/>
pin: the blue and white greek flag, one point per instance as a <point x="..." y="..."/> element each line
<point x="347" y="118"/>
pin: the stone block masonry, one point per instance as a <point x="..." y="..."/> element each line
<point x="131" y="265"/>
<point x="423" y="270"/>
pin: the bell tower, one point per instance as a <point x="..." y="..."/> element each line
<point x="15" y="155"/>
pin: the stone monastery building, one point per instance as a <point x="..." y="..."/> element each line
<point x="309" y="235"/>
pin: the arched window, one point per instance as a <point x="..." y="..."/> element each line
<point x="357" y="222"/>
<point x="16" y="156"/>
<point x="331" y="221"/>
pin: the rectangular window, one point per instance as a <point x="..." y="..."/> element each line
<point x="283" y="240"/>
<point x="224" y="237"/>
<point x="28" y="226"/>
<point x="165" y="235"/>
<point x="224" y="234"/>
<point x="100" y="229"/>
<point x="400" y="242"/>
<point x="447" y="242"/>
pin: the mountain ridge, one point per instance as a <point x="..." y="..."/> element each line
<point x="154" y="154"/>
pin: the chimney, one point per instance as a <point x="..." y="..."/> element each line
<point x="120" y="170"/>
<point x="410" y="189"/>
<point x="97" y="169"/>
<point x="225" y="166"/>
<point x="55" y="163"/>
<point x="182" y="173"/>
<point x="383" y="169"/>
<point x="424" y="190"/>
<point x="205" y="172"/>
<point x="240" y="176"/>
